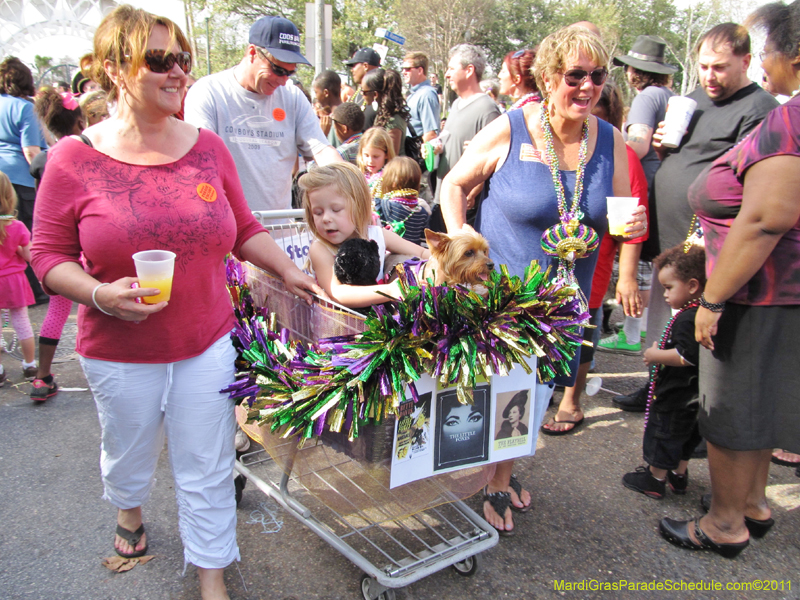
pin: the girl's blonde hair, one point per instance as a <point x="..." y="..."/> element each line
<point x="401" y="173"/>
<point x="375" y="137"/>
<point x="350" y="183"/>
<point x="121" y="38"/>
<point x="8" y="203"/>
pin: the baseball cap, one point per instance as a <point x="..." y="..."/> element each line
<point x="280" y="37"/>
<point x="365" y="55"/>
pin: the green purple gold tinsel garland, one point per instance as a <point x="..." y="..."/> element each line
<point x="450" y="332"/>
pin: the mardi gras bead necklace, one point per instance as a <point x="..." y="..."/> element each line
<point x="662" y="342"/>
<point x="526" y="99"/>
<point x="569" y="240"/>
<point x="409" y="198"/>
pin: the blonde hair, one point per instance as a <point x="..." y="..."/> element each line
<point x="375" y="137"/>
<point x="122" y="39"/>
<point x="556" y="48"/>
<point x="350" y="183"/>
<point x="400" y="173"/>
<point x="8" y="203"/>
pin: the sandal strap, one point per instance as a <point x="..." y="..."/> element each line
<point x="499" y="501"/>
<point x="132" y="537"/>
<point x="515" y="485"/>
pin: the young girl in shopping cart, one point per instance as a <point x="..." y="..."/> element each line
<point x="15" y="292"/>
<point x="338" y="207"/>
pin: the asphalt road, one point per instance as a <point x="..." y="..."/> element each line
<point x="585" y="527"/>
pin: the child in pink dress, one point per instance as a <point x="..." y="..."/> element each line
<point x="15" y="292"/>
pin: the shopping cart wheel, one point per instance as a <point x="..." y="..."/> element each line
<point x="239" y="482"/>
<point x="467" y="567"/>
<point x="368" y="583"/>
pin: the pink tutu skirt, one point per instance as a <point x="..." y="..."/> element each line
<point x="15" y="291"/>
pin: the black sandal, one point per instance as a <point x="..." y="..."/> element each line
<point x="515" y="485"/>
<point x="132" y="537"/>
<point x="500" y="502"/>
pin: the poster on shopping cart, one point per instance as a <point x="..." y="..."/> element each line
<point x="438" y="434"/>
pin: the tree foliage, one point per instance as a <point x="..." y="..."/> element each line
<point x="498" y="26"/>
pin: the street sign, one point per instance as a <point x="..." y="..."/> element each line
<point x="388" y="35"/>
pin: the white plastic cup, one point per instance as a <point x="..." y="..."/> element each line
<point x="679" y="113"/>
<point x="620" y="211"/>
<point x="593" y="386"/>
<point x="155" y="269"/>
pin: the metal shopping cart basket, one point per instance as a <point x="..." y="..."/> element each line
<point x="340" y="490"/>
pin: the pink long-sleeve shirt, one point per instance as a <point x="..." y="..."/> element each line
<point x="89" y="202"/>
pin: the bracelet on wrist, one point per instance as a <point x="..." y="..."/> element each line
<point x="715" y="307"/>
<point x="94" y="299"/>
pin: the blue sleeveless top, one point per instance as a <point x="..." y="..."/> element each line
<point x="521" y="203"/>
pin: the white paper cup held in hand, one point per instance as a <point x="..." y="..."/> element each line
<point x="620" y="211"/>
<point x="155" y="268"/>
<point x="679" y="113"/>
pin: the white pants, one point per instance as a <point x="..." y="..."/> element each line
<point x="139" y="403"/>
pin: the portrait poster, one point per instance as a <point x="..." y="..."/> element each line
<point x="462" y="430"/>
<point x="439" y="435"/>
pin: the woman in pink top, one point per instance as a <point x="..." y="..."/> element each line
<point x="145" y="180"/>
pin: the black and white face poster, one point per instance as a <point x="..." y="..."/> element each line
<point x="462" y="430"/>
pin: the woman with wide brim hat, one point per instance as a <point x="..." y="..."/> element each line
<point x="650" y="76"/>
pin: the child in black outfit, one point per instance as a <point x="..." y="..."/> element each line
<point x="671" y="433"/>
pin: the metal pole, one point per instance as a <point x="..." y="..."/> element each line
<point x="320" y="38"/>
<point x="208" y="48"/>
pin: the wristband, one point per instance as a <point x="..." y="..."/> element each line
<point x="715" y="307"/>
<point x="94" y="299"/>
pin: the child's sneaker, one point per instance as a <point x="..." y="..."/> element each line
<point x="30" y="372"/>
<point x="618" y="344"/>
<point x="678" y="483"/>
<point x="2" y="378"/>
<point x="642" y="481"/>
<point x="42" y="391"/>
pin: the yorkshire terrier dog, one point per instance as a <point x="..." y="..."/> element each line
<point x="460" y="257"/>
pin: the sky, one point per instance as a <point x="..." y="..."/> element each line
<point x="59" y="46"/>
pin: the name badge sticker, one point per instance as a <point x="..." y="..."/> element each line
<point x="527" y="153"/>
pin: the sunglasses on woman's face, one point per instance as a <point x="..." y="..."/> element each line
<point x="161" y="61"/>
<point x="576" y="77"/>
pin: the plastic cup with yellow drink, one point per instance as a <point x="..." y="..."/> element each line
<point x="155" y="268"/>
<point x="620" y="211"/>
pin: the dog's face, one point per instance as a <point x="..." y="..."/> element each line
<point x="460" y="257"/>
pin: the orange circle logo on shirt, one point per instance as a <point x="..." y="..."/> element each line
<point x="278" y="114"/>
<point x="207" y="192"/>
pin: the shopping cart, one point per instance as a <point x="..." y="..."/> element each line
<point x="341" y="491"/>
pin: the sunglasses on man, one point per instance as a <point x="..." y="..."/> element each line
<point x="576" y="77"/>
<point x="277" y="70"/>
<point x="161" y="61"/>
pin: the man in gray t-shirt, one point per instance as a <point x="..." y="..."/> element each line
<point x="470" y="113"/>
<point x="264" y="123"/>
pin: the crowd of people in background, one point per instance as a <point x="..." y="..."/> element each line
<point x="706" y="270"/>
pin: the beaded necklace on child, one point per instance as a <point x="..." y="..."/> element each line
<point x="661" y="346"/>
<point x="409" y="198"/>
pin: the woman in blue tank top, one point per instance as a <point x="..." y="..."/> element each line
<point x="546" y="165"/>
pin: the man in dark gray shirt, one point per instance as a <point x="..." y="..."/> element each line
<point x="729" y="106"/>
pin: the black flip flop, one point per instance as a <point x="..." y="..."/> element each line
<point x="575" y="425"/>
<point x="500" y="502"/>
<point x="515" y="485"/>
<point x="784" y="463"/>
<point x="132" y="537"/>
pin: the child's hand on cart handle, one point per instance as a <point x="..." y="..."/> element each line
<point x="301" y="285"/>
